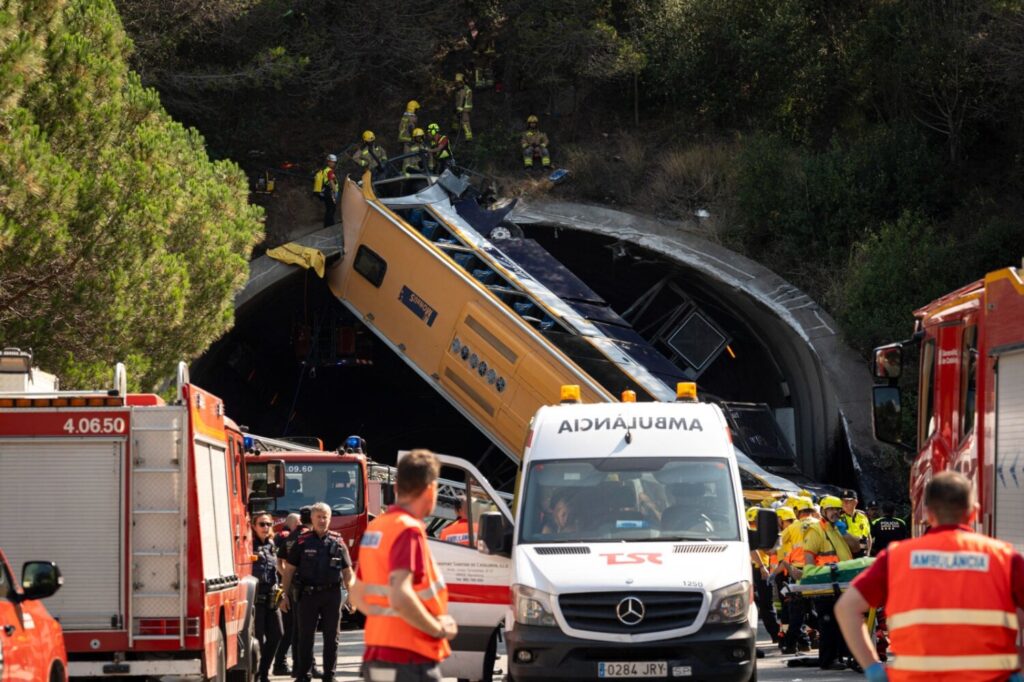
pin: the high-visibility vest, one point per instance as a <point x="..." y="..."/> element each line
<point x="457" y="532"/>
<point x="464" y="99"/>
<point x="834" y="548"/>
<point x="322" y="180"/>
<point x="440" y="142"/>
<point x="534" y="138"/>
<point x="949" y="608"/>
<point x="384" y="627"/>
<point x="858" y="525"/>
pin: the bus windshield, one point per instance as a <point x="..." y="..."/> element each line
<point x="339" y="484"/>
<point x="621" y="499"/>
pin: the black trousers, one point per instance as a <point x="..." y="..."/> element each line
<point x="288" y="632"/>
<point x="831" y="646"/>
<point x="269" y="630"/>
<point x="325" y="607"/>
<point x="765" y="605"/>
<point x="329" y="209"/>
<point x="797" y="611"/>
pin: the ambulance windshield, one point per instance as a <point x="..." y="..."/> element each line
<point x="629" y="499"/>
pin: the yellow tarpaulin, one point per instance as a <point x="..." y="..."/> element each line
<point x="303" y="256"/>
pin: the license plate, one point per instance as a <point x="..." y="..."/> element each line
<point x="633" y="669"/>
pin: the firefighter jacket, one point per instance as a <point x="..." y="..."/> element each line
<point x="406" y="126"/>
<point x="365" y="156"/>
<point x="791" y="544"/>
<point x="533" y="138"/>
<point x="413" y="163"/>
<point x="464" y="99"/>
<point x="826" y="543"/>
<point x="950" y="608"/>
<point x="384" y="627"/>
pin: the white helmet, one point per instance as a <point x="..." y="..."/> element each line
<point x="332" y="157"/>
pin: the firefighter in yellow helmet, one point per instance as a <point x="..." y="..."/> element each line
<point x="825" y="543"/>
<point x="534" y="143"/>
<point x="418" y="146"/>
<point x="370" y="154"/>
<point x="325" y="188"/>
<point x="463" y="106"/>
<point x="790" y="556"/>
<point x="408" y="122"/>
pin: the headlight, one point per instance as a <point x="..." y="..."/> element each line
<point x="730" y="604"/>
<point x="532" y="607"/>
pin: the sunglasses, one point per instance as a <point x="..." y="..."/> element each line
<point x="264" y="524"/>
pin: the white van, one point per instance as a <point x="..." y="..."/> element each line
<point x="629" y="555"/>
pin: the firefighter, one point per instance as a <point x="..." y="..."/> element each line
<point x="458" y="530"/>
<point x="321" y="560"/>
<point x="762" y="588"/>
<point x="951" y="597"/>
<point x="414" y="164"/>
<point x="534" y="143"/>
<point x="284" y="541"/>
<point x="791" y="564"/>
<point x="325" y="188"/>
<point x="370" y="154"/>
<point x="463" y="106"/>
<point x="856" y="522"/>
<point x="408" y="122"/>
<point x="824" y="543"/>
<point x="439" y="149"/>
<point x="399" y="586"/>
<point x="269" y="628"/>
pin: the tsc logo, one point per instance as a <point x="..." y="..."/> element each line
<point x="623" y="559"/>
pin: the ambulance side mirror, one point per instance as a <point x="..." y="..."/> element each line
<point x="494" y="535"/>
<point x="767" y="530"/>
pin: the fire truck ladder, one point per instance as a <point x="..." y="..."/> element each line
<point x="157" y="540"/>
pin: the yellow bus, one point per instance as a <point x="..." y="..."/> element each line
<point x="493" y="339"/>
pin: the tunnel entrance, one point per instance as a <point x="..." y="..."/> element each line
<point x="298" y="364"/>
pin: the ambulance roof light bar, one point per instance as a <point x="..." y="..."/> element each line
<point x="686" y="392"/>
<point x="629" y="396"/>
<point x="570" y="394"/>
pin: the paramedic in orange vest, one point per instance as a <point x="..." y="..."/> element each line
<point x="458" y="530"/>
<point x="951" y="598"/>
<point x="399" y="587"/>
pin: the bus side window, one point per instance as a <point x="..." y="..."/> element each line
<point x="968" y="379"/>
<point x="371" y="266"/>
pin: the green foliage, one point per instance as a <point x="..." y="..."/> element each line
<point x="119" y="239"/>
<point x="802" y="210"/>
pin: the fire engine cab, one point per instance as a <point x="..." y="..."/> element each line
<point x="142" y="504"/>
<point x="970" y="415"/>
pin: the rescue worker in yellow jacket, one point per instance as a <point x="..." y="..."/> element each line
<point x="825" y="544"/>
<point x="417" y="145"/>
<point x="325" y="188"/>
<point x="534" y="143"/>
<point x="370" y="154"/>
<point x="399" y="587"/>
<point x="408" y="122"/>
<point x="463" y="106"/>
<point x="790" y="568"/>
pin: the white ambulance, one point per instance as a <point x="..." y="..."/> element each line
<point x="628" y="557"/>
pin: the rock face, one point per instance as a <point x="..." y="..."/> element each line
<point x="829" y="383"/>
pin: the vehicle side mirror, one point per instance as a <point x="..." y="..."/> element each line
<point x="494" y="535"/>
<point x="767" y="530"/>
<point x="39" y="580"/>
<point x="887" y="415"/>
<point x="888" y="362"/>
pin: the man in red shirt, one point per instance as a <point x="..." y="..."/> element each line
<point x="951" y="598"/>
<point x="399" y="587"/>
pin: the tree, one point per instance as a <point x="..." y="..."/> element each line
<point x="119" y="238"/>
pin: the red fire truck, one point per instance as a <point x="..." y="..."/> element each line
<point x="971" y="398"/>
<point x="143" y="506"/>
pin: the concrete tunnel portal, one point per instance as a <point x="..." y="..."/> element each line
<point x="297" y="363"/>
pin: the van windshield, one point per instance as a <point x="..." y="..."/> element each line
<point x="339" y="484"/>
<point x="629" y="499"/>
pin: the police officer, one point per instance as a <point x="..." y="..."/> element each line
<point x="322" y="562"/>
<point x="264" y="568"/>
<point x="400" y="588"/>
<point x="855" y="522"/>
<point x="284" y="541"/>
<point x="887" y="528"/>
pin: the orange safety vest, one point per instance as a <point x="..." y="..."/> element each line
<point x="457" y="532"/>
<point x="384" y="627"/>
<point x="950" y="608"/>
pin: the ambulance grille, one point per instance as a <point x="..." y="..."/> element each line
<point x="597" y="611"/>
<point x="698" y="549"/>
<point x="562" y="550"/>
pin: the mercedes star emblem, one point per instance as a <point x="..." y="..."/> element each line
<point x="630" y="611"/>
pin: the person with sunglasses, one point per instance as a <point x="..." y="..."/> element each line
<point x="269" y="628"/>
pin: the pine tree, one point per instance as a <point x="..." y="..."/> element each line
<point x="119" y="237"/>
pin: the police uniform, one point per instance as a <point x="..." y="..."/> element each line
<point x="858" y="525"/>
<point x="284" y="542"/>
<point x="268" y="618"/>
<point x="319" y="563"/>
